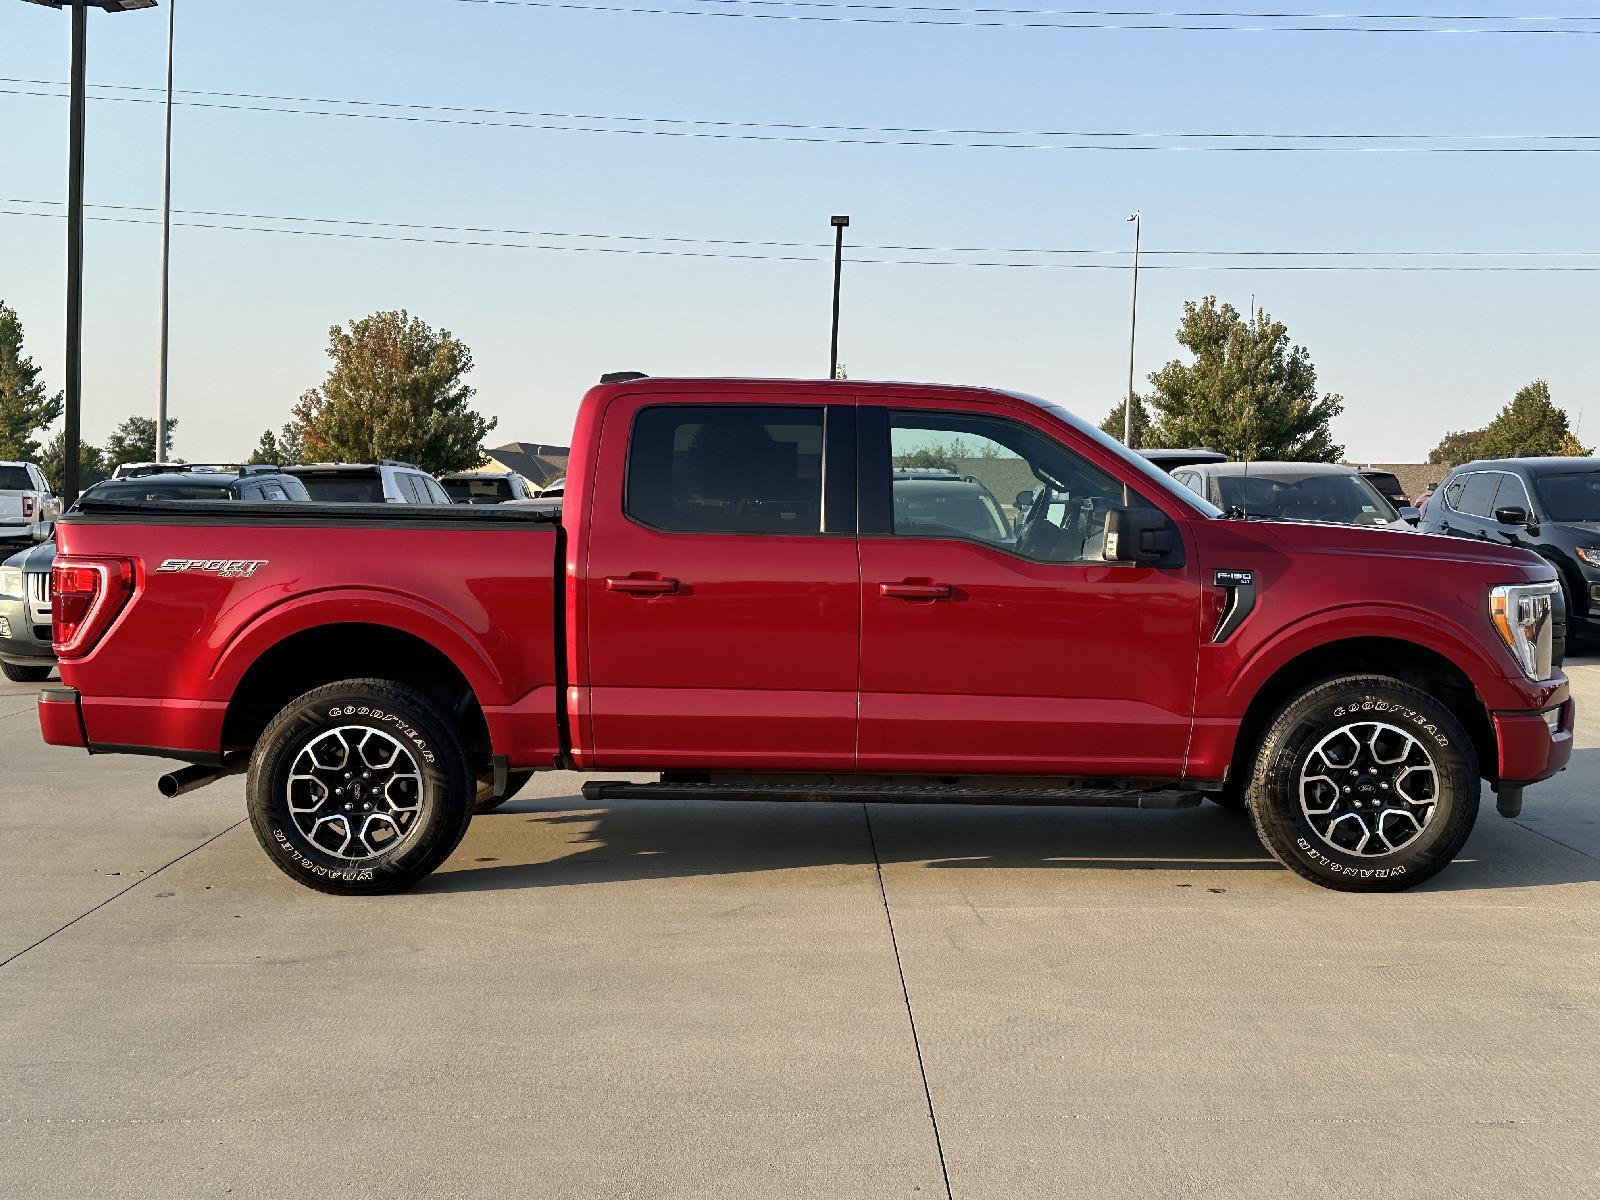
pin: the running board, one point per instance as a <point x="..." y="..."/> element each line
<point x="868" y="793"/>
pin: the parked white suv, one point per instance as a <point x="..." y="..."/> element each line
<point x="28" y="506"/>
<point x="369" y="483"/>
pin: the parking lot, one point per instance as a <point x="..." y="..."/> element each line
<point x="736" y="1000"/>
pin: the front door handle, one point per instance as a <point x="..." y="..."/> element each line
<point x="910" y="590"/>
<point x="641" y="585"/>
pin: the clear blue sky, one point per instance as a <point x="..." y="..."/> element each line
<point x="1412" y="354"/>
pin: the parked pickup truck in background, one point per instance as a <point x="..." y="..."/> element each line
<point x="28" y="507"/>
<point x="733" y="595"/>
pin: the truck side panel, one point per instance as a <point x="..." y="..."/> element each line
<point x="483" y="596"/>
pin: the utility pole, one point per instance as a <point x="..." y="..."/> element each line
<point x="1133" y="328"/>
<point x="166" y="245"/>
<point x="72" y="431"/>
<point x="840" y="224"/>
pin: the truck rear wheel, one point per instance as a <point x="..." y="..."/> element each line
<point x="359" y="787"/>
<point x="487" y="801"/>
<point x="1365" y="784"/>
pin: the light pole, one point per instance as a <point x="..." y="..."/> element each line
<point x="166" y="243"/>
<point x="75" y="123"/>
<point x="1133" y="328"/>
<point x="840" y="224"/>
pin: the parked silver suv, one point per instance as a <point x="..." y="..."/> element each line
<point x="382" y="482"/>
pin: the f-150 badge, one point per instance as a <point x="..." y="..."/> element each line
<point x="227" y="568"/>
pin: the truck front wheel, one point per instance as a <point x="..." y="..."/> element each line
<point x="359" y="787"/>
<point x="1365" y="784"/>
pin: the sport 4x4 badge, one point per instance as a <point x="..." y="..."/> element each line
<point x="227" y="568"/>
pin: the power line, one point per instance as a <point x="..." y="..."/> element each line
<point x="821" y="134"/>
<point x="881" y="247"/>
<point x="755" y="257"/>
<point x="744" y="9"/>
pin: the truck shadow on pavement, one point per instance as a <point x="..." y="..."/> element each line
<point x="565" y="841"/>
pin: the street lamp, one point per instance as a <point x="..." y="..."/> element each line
<point x="166" y="245"/>
<point x="75" y="121"/>
<point x="840" y="224"/>
<point x="1133" y="326"/>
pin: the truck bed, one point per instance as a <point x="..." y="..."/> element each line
<point x="223" y="589"/>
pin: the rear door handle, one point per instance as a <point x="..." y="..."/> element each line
<point x="641" y="585"/>
<point x="916" y="591"/>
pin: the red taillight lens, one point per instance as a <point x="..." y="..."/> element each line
<point x="86" y="596"/>
<point x="27" y="507"/>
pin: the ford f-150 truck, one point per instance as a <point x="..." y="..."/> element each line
<point x="739" y="592"/>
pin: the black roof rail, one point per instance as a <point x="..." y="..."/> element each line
<point x="140" y="470"/>
<point x="622" y="376"/>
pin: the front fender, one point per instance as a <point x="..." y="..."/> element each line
<point x="1495" y="685"/>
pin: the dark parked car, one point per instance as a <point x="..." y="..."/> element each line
<point x="1170" y="460"/>
<point x="1389" y="484"/>
<point x="1294" y="491"/>
<point x="1548" y="505"/>
<point x="26" y="653"/>
<point x="932" y="502"/>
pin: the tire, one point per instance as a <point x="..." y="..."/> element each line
<point x="487" y="801"/>
<point x="375" y="734"/>
<point x="1348" y="832"/>
<point x="23" y="674"/>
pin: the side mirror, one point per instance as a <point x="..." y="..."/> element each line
<point x="1511" y="516"/>
<point x="1023" y="502"/>
<point x="1142" y="536"/>
<point x="1410" y="515"/>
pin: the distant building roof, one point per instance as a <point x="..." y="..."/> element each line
<point x="536" y="462"/>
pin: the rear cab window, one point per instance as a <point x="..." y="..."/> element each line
<point x="15" y="479"/>
<point x="726" y="468"/>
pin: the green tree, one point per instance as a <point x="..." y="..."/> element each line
<point x="1248" y="392"/>
<point x="396" y="390"/>
<point x="1140" y="421"/>
<point x="278" y="449"/>
<point x="134" y="441"/>
<point x="1457" y="447"/>
<point x="25" y="407"/>
<point x="91" y="464"/>
<point x="1529" y="426"/>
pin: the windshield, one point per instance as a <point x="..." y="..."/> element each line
<point x="1298" y="496"/>
<point x="477" y="491"/>
<point x="365" y="487"/>
<point x="15" y="479"/>
<point x="155" y="489"/>
<point x="1158" y="479"/>
<point x="1570" y="496"/>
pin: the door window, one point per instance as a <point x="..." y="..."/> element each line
<point x="990" y="480"/>
<point x="1512" y="494"/>
<point x="726" y="468"/>
<point x="1477" y="497"/>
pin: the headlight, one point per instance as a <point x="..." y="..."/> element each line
<point x="1589" y="554"/>
<point x="1522" y="613"/>
<point x="11" y="581"/>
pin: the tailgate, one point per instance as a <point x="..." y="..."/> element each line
<point x="220" y="587"/>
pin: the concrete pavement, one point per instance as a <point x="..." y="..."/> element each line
<point x="724" y="1000"/>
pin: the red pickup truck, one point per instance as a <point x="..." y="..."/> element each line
<point x="814" y="590"/>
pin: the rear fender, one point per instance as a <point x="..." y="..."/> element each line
<point x="357" y="606"/>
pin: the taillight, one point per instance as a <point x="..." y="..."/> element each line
<point x="27" y="507"/>
<point x="86" y="596"/>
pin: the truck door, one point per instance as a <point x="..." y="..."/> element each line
<point x="721" y="591"/>
<point x="995" y="638"/>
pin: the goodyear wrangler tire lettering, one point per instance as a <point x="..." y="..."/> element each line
<point x="360" y="787"/>
<point x="1364" y="783"/>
